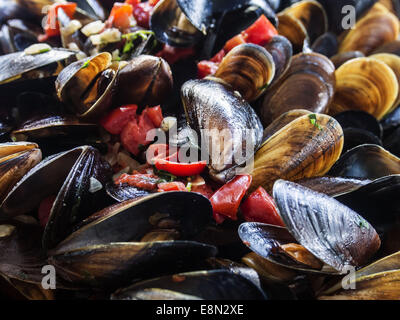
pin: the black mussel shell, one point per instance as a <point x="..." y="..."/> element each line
<point x="391" y="122"/>
<point x="200" y="285"/>
<point x="123" y="192"/>
<point x="366" y="162"/>
<point x="392" y="143"/>
<point x="359" y="120"/>
<point x="354" y="137"/>
<point x="326" y="44"/>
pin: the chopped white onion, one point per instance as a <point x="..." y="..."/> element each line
<point x="168" y="123"/>
<point x="6" y="230"/>
<point x="92" y="28"/>
<point x="73" y="25"/>
<point x="108" y="36"/>
<point x="37" y="48"/>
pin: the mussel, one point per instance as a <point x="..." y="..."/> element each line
<point x="306" y="147"/>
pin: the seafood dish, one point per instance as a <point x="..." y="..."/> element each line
<point x="200" y="150"/>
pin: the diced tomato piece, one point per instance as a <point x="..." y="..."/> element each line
<point x="153" y="2"/>
<point x="180" y="169"/>
<point x="206" y="68"/>
<point x="219" y="56"/>
<point x="116" y="120"/>
<point x="260" y="207"/>
<point x="142" y="12"/>
<point x="234" y="42"/>
<point x="45" y="209"/>
<point x="52" y="27"/>
<point x="156" y="151"/>
<point x="171" y="186"/>
<point x="261" y="31"/>
<point x="133" y="3"/>
<point x="145" y="125"/>
<point x="203" y="189"/>
<point x="142" y="181"/>
<point x="132" y="136"/>
<point x="120" y="16"/>
<point x="173" y="54"/>
<point x="226" y="200"/>
<point x="155" y="115"/>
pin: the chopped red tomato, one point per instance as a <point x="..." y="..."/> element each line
<point x="260" y="207"/>
<point x="120" y="16"/>
<point x="153" y="2"/>
<point x="45" y="209"/>
<point x="133" y="3"/>
<point x="155" y="115"/>
<point x="261" y="31"/>
<point x="52" y="27"/>
<point x="142" y="181"/>
<point x="226" y="200"/>
<point x="203" y="189"/>
<point x="219" y="56"/>
<point x="115" y="121"/>
<point x="173" y="54"/>
<point x="235" y="41"/>
<point x="142" y="12"/>
<point x="180" y="169"/>
<point x="132" y="137"/>
<point x="171" y="186"/>
<point x="206" y="68"/>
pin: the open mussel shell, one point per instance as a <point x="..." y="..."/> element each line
<point x="70" y="175"/>
<point x="114" y="246"/>
<point x="214" y="109"/>
<point x="376" y="201"/>
<point x="365" y="84"/>
<point x="199" y="285"/>
<point x="249" y="69"/>
<point x="283" y="155"/>
<point x="366" y="162"/>
<point x="377" y="281"/>
<point x="16" y="35"/>
<point x="171" y="26"/>
<point x="77" y="83"/>
<point x="292" y="29"/>
<point x="372" y="31"/>
<point x="341" y="58"/>
<point x="281" y="51"/>
<point x="19" y="66"/>
<point x="16" y="159"/>
<point x="359" y="120"/>
<point x="311" y="15"/>
<point x="308" y="84"/>
<point x="333" y="186"/>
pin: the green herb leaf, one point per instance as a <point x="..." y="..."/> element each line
<point x="165" y="175"/>
<point x="363" y="224"/>
<point x="44" y="50"/>
<point x="86" y="64"/>
<point x="189" y="187"/>
<point x="313" y="120"/>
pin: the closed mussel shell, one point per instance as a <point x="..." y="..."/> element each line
<point x="249" y="69"/>
<point x="341" y="58"/>
<point x="308" y="84"/>
<point x="365" y="84"/>
<point x="304" y="148"/>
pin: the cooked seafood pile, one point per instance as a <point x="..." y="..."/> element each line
<point x="185" y="150"/>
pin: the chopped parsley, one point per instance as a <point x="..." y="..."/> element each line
<point x="44" y="50"/>
<point x="164" y="176"/>
<point x="86" y="64"/>
<point x="313" y="120"/>
<point x="363" y="224"/>
<point x="131" y="37"/>
<point x="189" y="187"/>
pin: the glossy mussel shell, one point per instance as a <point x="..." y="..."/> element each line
<point x="211" y="105"/>
<point x="74" y="80"/>
<point x="249" y="69"/>
<point x="299" y="150"/>
<point x="313" y="220"/>
<point x="110" y="245"/>
<point x="15" y="66"/>
<point x="308" y="84"/>
<point x="16" y="159"/>
<point x="199" y="285"/>
<point x="68" y="175"/>
<point x="365" y="84"/>
<point x="378" y="27"/>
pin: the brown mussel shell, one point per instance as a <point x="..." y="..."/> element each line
<point x="146" y="81"/>
<point x="365" y="84"/>
<point x="16" y="159"/>
<point x="301" y="149"/>
<point x="249" y="69"/>
<point x="341" y="58"/>
<point x="308" y="84"/>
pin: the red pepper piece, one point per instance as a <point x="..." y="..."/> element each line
<point x="180" y="169"/>
<point x="226" y="200"/>
<point x="260" y="207"/>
